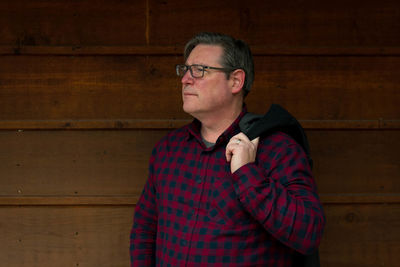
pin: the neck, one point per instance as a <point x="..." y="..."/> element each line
<point x="213" y="126"/>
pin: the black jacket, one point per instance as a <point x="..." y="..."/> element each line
<point x="279" y="119"/>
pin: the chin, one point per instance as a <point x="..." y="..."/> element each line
<point x="190" y="109"/>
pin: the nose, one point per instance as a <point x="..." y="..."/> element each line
<point x="187" y="78"/>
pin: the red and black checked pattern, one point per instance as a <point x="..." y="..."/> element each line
<point x="194" y="212"/>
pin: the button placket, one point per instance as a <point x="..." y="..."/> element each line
<point x="201" y="171"/>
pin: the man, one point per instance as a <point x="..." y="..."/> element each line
<point x="213" y="197"/>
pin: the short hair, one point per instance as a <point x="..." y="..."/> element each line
<point x="237" y="54"/>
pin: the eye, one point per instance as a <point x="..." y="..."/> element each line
<point x="197" y="71"/>
<point x="197" y="68"/>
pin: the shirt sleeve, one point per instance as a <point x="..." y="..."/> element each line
<point x="143" y="233"/>
<point x="279" y="192"/>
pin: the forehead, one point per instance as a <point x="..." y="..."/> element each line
<point x="205" y="55"/>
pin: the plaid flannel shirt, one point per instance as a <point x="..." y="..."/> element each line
<point x="194" y="212"/>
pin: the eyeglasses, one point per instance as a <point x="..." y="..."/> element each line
<point x="197" y="71"/>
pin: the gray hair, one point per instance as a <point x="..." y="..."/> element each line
<point x="237" y="54"/>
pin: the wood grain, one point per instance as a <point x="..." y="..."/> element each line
<point x="138" y="124"/>
<point x="361" y="236"/>
<point x="355" y="235"/>
<point x="356" y="161"/>
<point x="176" y="50"/>
<point x="75" y="162"/>
<point x="139" y="87"/>
<point x="277" y="23"/>
<point x="131" y="200"/>
<point x="88" y="87"/>
<point x="83" y="163"/>
<point x="57" y="23"/>
<point x="65" y="236"/>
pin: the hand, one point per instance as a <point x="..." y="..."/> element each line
<point x="240" y="151"/>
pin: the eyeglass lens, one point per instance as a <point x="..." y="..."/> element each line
<point x="195" y="70"/>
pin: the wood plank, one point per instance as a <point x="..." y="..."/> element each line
<point x="355" y="235"/>
<point x="107" y="163"/>
<point x="360" y="199"/>
<point x="88" y="88"/>
<point x="172" y="124"/>
<point x="131" y="200"/>
<point x="328" y="87"/>
<point x="92" y="124"/>
<point x="65" y="236"/>
<point x="60" y="22"/>
<point x="121" y="200"/>
<point x="89" y="22"/>
<point x="356" y="161"/>
<point x="145" y="88"/>
<point x="75" y="163"/>
<point x="361" y="236"/>
<point x="277" y="23"/>
<point x="153" y="50"/>
<point x="109" y="50"/>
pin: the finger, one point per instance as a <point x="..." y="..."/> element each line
<point x="228" y="153"/>
<point x="241" y="136"/>
<point x="233" y="144"/>
<point x="256" y="141"/>
<point x="228" y="157"/>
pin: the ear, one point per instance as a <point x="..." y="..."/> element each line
<point x="237" y="78"/>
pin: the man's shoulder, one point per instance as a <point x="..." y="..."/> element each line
<point x="174" y="137"/>
<point x="278" y="147"/>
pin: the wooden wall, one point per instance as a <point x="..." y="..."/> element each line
<point x="88" y="87"/>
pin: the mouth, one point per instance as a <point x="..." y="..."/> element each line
<point x="188" y="91"/>
<point x="189" y="94"/>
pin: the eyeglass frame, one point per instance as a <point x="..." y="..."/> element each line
<point x="189" y="67"/>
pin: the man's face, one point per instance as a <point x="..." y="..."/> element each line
<point x="209" y="95"/>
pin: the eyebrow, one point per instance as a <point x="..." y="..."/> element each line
<point x="196" y="64"/>
<point x="204" y="64"/>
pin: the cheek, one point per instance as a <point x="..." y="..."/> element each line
<point x="213" y="92"/>
<point x="221" y="91"/>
